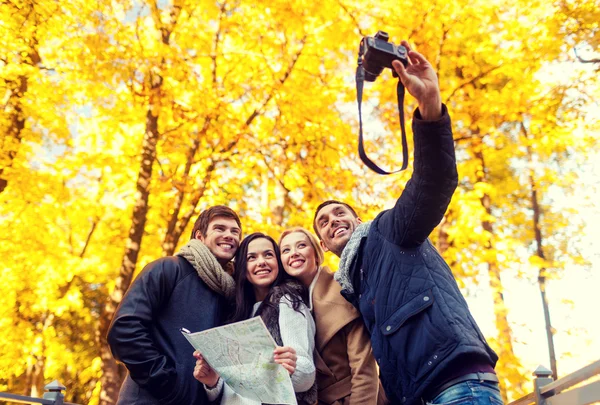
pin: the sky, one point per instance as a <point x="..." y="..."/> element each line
<point x="573" y="301"/>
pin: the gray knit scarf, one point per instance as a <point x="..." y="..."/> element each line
<point x="208" y="268"/>
<point x="342" y="276"/>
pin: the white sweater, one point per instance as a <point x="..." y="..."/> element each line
<point x="291" y="323"/>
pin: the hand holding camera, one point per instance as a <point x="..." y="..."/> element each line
<point x="416" y="75"/>
<point x="415" y="72"/>
<point x="420" y="80"/>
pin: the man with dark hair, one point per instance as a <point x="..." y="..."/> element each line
<point x="424" y="338"/>
<point x="191" y="289"/>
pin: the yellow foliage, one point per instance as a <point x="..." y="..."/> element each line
<point x="256" y="109"/>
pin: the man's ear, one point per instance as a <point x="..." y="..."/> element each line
<point x="359" y="220"/>
<point x="325" y="249"/>
<point x="198" y="235"/>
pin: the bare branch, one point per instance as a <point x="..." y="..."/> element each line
<point x="582" y="60"/>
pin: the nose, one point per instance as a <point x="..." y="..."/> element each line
<point x="260" y="261"/>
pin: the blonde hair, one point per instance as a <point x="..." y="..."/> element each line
<point x="320" y="256"/>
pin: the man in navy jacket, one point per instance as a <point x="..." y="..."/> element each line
<point x="191" y="290"/>
<point x="424" y="338"/>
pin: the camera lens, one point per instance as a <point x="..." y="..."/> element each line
<point x="371" y="72"/>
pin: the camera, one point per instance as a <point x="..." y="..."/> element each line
<point x="379" y="53"/>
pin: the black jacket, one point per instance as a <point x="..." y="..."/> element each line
<point x="419" y="322"/>
<point x="145" y="333"/>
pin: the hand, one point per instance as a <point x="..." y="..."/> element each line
<point x="421" y="81"/>
<point x="286" y="356"/>
<point x="203" y="372"/>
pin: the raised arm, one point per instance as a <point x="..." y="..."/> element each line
<point x="429" y="191"/>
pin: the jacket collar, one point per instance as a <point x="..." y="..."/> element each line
<point x="331" y="311"/>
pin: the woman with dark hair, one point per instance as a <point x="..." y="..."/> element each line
<point x="264" y="289"/>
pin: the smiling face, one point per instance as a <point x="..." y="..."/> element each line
<point x="335" y="223"/>
<point x="262" y="267"/>
<point x="222" y="238"/>
<point x="299" y="257"/>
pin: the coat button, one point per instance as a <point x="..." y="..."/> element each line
<point x="388" y="328"/>
<point x="403" y="399"/>
<point x="425" y="298"/>
<point x="435" y="356"/>
<point x="429" y="363"/>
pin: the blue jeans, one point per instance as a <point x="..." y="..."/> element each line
<point x="470" y="392"/>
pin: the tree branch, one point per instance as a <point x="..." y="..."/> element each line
<point x="473" y="80"/>
<point x="352" y="17"/>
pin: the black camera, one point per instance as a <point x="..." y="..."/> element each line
<point x="379" y="53"/>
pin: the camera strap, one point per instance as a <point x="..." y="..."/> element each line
<point x="360" y="79"/>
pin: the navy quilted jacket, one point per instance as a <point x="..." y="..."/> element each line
<point x="418" y="320"/>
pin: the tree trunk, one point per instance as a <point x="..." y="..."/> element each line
<point x="542" y="274"/>
<point x="111" y="377"/>
<point x="14" y="135"/>
<point x="35" y="373"/>
<point x="12" y="140"/>
<point x="177" y="225"/>
<point x="279" y="204"/>
<point x="36" y="389"/>
<point x="507" y="358"/>
<point x="549" y="328"/>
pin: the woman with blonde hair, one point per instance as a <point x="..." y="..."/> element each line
<point x="346" y="369"/>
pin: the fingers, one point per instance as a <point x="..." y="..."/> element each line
<point x="288" y="365"/>
<point x="417" y="58"/>
<point x="401" y="71"/>
<point x="201" y="364"/>
<point x="414" y="57"/>
<point x="285" y="352"/>
<point x="286" y="356"/>
<point x="282" y="349"/>
<point x="198" y="355"/>
<point x="201" y="371"/>
<point x="405" y="44"/>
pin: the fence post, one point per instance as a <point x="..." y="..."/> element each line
<point x="543" y="377"/>
<point x="54" y="392"/>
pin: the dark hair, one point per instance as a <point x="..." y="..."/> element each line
<point x="211" y="213"/>
<point x="244" y="292"/>
<point x="325" y="204"/>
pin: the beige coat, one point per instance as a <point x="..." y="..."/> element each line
<point x="346" y="370"/>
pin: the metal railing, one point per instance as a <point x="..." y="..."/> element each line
<point x="53" y="396"/>
<point x="546" y="391"/>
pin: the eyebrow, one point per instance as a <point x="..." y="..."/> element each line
<point x="320" y="218"/>
<point x="221" y="225"/>
<point x="263" y="252"/>
<point x="333" y="211"/>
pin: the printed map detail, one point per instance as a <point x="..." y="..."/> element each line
<point x="242" y="354"/>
